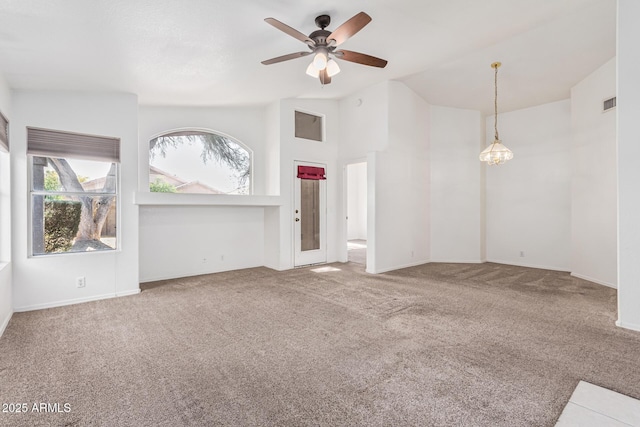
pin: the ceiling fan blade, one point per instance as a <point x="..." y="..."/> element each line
<point x="360" y="58"/>
<point x="324" y="77"/>
<point x="285" y="57"/>
<point x="349" y="28"/>
<point x="291" y="31"/>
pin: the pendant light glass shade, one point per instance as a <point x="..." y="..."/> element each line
<point x="496" y="153"/>
<point x="313" y="71"/>
<point x="320" y="59"/>
<point x="332" y="68"/>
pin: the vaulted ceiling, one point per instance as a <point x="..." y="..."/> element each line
<point x="208" y="52"/>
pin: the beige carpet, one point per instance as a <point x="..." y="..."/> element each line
<point x="440" y="344"/>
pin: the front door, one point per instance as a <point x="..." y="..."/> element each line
<point x="310" y="208"/>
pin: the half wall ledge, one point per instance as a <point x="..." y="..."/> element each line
<point x="146" y="198"/>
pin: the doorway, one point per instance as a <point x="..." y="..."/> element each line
<point x="357" y="212"/>
<point x="310" y="211"/>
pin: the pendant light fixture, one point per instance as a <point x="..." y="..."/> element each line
<point x="496" y="153"/>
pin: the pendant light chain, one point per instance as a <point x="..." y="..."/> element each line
<point x="495" y="103"/>
<point x="496" y="153"/>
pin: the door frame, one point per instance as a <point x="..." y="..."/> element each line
<point x="318" y="256"/>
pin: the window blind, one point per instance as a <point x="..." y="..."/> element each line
<point x="4" y="132"/>
<point x="311" y="172"/>
<point x="55" y="143"/>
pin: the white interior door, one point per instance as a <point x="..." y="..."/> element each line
<point x="310" y="211"/>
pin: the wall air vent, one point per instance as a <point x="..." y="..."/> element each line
<point x="608" y="104"/>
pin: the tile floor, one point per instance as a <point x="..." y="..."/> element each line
<point x="591" y="405"/>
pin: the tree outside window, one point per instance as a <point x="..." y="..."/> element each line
<point x="73" y="205"/>
<point x="198" y="162"/>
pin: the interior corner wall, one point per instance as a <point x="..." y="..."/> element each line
<point x="594" y="178"/>
<point x="47" y="281"/>
<point x="180" y="241"/>
<point x="528" y="199"/>
<point x="399" y="186"/>
<point x="6" y="292"/>
<point x="456" y="188"/>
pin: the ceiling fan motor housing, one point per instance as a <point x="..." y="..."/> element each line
<point x="320" y="37"/>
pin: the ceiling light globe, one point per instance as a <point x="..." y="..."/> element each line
<point x="332" y="68"/>
<point x="320" y="60"/>
<point x="313" y="71"/>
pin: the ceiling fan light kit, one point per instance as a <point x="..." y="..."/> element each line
<point x="332" y="68"/>
<point x="313" y="71"/>
<point x="323" y="44"/>
<point x="496" y="153"/>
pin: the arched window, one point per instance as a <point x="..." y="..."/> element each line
<point x="195" y="161"/>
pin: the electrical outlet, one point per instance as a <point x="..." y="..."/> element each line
<point x="204" y="260"/>
<point x="221" y="257"/>
<point x="81" y="282"/>
<point x="522" y="254"/>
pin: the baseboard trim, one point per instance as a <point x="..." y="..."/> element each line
<point x="596" y="281"/>
<point x="626" y="325"/>
<point x="540" y="267"/>
<point x="73" y="301"/>
<point x="5" y="323"/>
<point x="127" y="293"/>
<point x="457" y="261"/>
<point x="199" y="273"/>
<point x="385" y="270"/>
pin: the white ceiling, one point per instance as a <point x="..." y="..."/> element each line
<point x="208" y="52"/>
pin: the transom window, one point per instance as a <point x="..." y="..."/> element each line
<point x="193" y="161"/>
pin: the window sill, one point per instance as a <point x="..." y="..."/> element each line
<point x="177" y="199"/>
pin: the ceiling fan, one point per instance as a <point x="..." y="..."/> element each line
<point x="323" y="43"/>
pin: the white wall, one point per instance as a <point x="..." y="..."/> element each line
<point x="593" y="179"/>
<point x="364" y="129"/>
<point x="47" y="281"/>
<point x="293" y="149"/>
<point x="263" y="236"/>
<point x="357" y="201"/>
<point x="364" y="122"/>
<point x="6" y="297"/>
<point x="456" y="187"/>
<point x="398" y="211"/>
<point x="272" y="215"/>
<point x="246" y="124"/>
<point x="398" y="186"/>
<point x="179" y="241"/>
<point x="388" y="124"/>
<point x="628" y="70"/>
<point x="528" y="199"/>
<point x="272" y="149"/>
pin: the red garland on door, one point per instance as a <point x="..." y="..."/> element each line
<point x="311" y="172"/>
